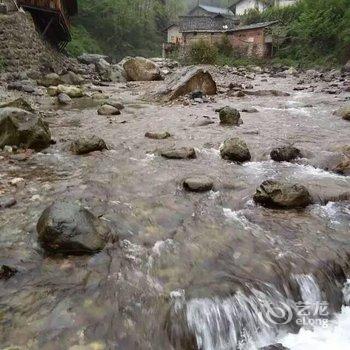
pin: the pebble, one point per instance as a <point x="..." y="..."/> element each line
<point x="17" y="181"/>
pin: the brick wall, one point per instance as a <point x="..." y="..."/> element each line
<point x="250" y="43"/>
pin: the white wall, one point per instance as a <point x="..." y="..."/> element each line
<point x="283" y="3"/>
<point x="174" y="35"/>
<point x="246" y="5"/>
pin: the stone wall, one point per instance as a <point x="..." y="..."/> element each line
<point x="22" y="48"/>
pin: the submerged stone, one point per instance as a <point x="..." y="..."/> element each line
<point x="199" y="183"/>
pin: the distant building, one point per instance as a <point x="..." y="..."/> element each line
<point x="211" y="24"/>
<point x="239" y="7"/>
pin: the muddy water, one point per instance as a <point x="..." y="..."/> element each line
<point x="190" y="271"/>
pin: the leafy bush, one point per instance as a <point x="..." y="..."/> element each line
<point x="82" y="42"/>
<point x="202" y="52"/>
<point x="225" y="47"/>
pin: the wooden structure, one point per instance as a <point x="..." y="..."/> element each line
<point x="52" y="18"/>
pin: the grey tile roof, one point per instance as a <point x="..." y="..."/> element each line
<point x="216" y="10"/>
<point x="254" y="26"/>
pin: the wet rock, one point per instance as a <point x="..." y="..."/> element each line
<point x="104" y="70"/>
<point x="6" y="272"/>
<point x="235" y="149"/>
<point x="199" y="183"/>
<point x="266" y="93"/>
<point x="188" y="80"/>
<point x="64" y="99"/>
<point x="179" y="153"/>
<point x="274" y="347"/>
<point x="141" y="69"/>
<point x="115" y="104"/>
<point x="84" y="145"/>
<point x="285" y="154"/>
<point x="250" y="110"/>
<point x="196" y="94"/>
<point x="275" y="194"/>
<point x="70" y="90"/>
<point x="157" y="135"/>
<point x="332" y="161"/>
<point x="22" y="128"/>
<point x="7" y="202"/>
<point x="204" y="122"/>
<point x="68" y="228"/>
<point x="108" y="110"/>
<point x="20" y="103"/>
<point x="71" y="78"/>
<point x="90" y="58"/>
<point x="21" y="86"/>
<point x="344" y="112"/>
<point x="51" y="79"/>
<point x="230" y="116"/>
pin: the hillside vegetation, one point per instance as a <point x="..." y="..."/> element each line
<point x="312" y="32"/>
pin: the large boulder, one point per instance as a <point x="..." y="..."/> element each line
<point x="91" y="58"/>
<point x="22" y="128"/>
<point x="235" y="149"/>
<point x="275" y="194"/>
<point x="68" y="228"/>
<point x="109" y="72"/>
<point x="285" y="154"/>
<point x="188" y="80"/>
<point x="84" y="145"/>
<point x="141" y="69"/>
<point x="230" y="116"/>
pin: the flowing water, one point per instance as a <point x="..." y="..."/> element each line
<point x="208" y="271"/>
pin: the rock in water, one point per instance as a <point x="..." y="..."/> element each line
<point x="230" y="116"/>
<point x="275" y="194"/>
<point x="6" y="272"/>
<point x="68" y="228"/>
<point x="157" y="135"/>
<point x="236" y="150"/>
<point x="91" y="58"/>
<point x="141" y="69"/>
<point x="108" y="110"/>
<point x="18" y="103"/>
<point x="344" y="112"/>
<point x="198" y="183"/>
<point x="179" y="153"/>
<point x="21" y="128"/>
<point x="190" y="79"/>
<point x="85" y="145"/>
<point x="274" y="347"/>
<point x="70" y="90"/>
<point x="285" y="154"/>
<point x="64" y="99"/>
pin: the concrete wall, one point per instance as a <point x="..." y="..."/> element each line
<point x="174" y="35"/>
